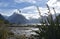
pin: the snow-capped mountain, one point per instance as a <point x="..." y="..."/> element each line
<point x="22" y="18"/>
<point x="17" y="18"/>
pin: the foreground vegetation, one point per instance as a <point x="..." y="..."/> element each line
<point x="50" y="30"/>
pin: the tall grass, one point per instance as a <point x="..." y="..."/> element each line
<point x="51" y="31"/>
<point x="4" y="32"/>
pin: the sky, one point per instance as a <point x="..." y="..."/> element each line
<point x="7" y="7"/>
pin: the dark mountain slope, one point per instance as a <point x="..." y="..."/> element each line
<point x="3" y="20"/>
<point x="17" y="19"/>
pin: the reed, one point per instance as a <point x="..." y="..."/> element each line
<point x="51" y="31"/>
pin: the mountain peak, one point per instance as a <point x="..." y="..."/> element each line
<point x="17" y="11"/>
<point x="17" y="18"/>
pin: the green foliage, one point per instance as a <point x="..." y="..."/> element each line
<point x="51" y="31"/>
<point x="6" y="22"/>
<point x="4" y="32"/>
<point x="21" y="36"/>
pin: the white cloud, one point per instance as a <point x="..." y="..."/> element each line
<point x="3" y="4"/>
<point x="33" y="9"/>
<point x="55" y="4"/>
<point x="30" y="1"/>
<point x="30" y="9"/>
<point x="51" y="2"/>
<point x="32" y="12"/>
<point x="28" y="12"/>
<point x="6" y="12"/>
<point x="28" y="16"/>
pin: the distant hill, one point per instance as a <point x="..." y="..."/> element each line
<point x="6" y="17"/>
<point x="3" y="20"/>
<point x="1" y="17"/>
<point x="33" y="21"/>
<point x="17" y="19"/>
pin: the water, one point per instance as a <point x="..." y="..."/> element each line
<point x="23" y="30"/>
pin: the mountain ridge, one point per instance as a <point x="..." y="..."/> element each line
<point x="17" y="19"/>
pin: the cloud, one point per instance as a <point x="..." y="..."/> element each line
<point x="40" y="3"/>
<point x="30" y="9"/>
<point x="7" y="4"/>
<point x="30" y="1"/>
<point x="2" y="4"/>
<point x="28" y="12"/>
<point x="58" y="0"/>
<point x="6" y="12"/>
<point x="33" y="10"/>
<point x="54" y="3"/>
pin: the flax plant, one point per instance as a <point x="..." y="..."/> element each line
<point x="50" y="30"/>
